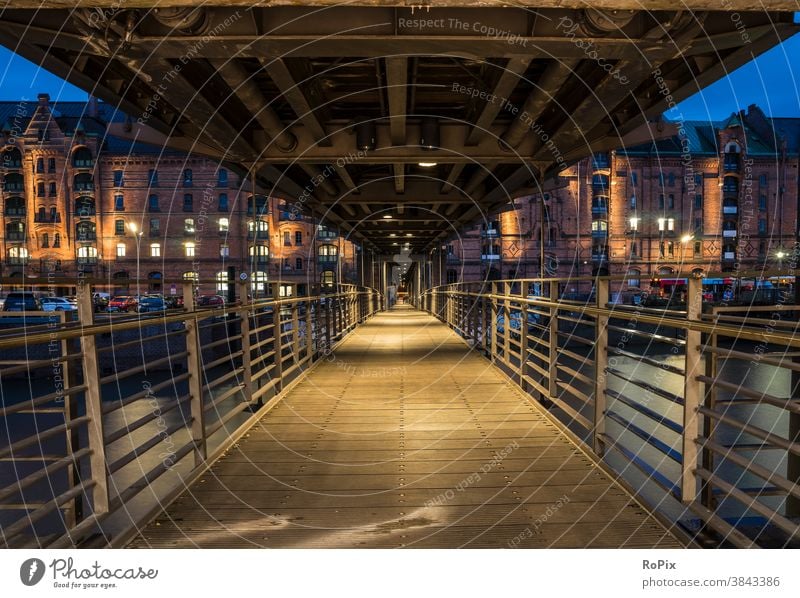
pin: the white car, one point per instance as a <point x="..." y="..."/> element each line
<point x="58" y="304"/>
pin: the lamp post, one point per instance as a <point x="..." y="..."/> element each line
<point x="780" y="255"/>
<point x="137" y="235"/>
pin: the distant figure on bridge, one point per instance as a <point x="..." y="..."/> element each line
<point x="391" y="291"/>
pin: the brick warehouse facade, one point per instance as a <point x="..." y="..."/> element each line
<point x="78" y="200"/>
<point x="720" y="197"/>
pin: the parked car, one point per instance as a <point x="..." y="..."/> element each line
<point x="151" y="304"/>
<point x="174" y="301"/>
<point x="58" y="304"/>
<point x="122" y="303"/>
<point x="101" y="301"/>
<point x="210" y="301"/>
<point x="24" y="301"/>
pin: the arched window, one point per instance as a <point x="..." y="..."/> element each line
<point x="12" y="158"/>
<point x="15" y="231"/>
<point x="86" y="231"/>
<point x="82" y="158"/>
<point x="57" y="240"/>
<point x="154" y="281"/>
<point x="634" y="275"/>
<point x="84" y="207"/>
<point x="87" y="254"/>
<point x="222" y="178"/>
<point x="15" y="206"/>
<point x="327" y="278"/>
<point x="83" y="182"/>
<point x="45" y="240"/>
<point x="13" y="182"/>
<point x="17" y="256"/>
<point x="257" y="229"/>
<point x="600" y="184"/>
<point x="259" y="253"/>
<point x="328" y="254"/>
<point x="730" y="184"/>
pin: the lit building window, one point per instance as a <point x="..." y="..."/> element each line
<point x="188" y="249"/>
<point x="222" y="281"/>
<point x="662" y="223"/>
<point x="670" y="224"/>
<point x="634" y="222"/>
<point x="224" y="250"/>
<point x="120" y="249"/>
<point x="224" y="223"/>
<point x="155" y="249"/>
<point x="188" y="225"/>
<point x="259" y="283"/>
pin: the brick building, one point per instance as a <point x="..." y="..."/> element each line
<point x="720" y="197"/>
<point x="78" y="200"/>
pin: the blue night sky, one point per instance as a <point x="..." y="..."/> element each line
<point x="772" y="81"/>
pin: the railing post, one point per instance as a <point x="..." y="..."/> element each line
<point x="309" y="332"/>
<point x="552" y="354"/>
<point x="523" y="334"/>
<point x="492" y="317"/>
<point x="328" y="323"/>
<point x="277" y="342"/>
<point x="600" y="366"/>
<point x="94" y="404"/>
<point x="692" y="396"/>
<point x="67" y="370"/>
<point x="244" y="317"/>
<point x="296" y="332"/>
<point x="194" y="368"/>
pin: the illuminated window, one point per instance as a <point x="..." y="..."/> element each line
<point x="188" y="249"/>
<point x="634" y="222"/>
<point x="120" y="249"/>
<point x="155" y="249"/>
<point x="224" y="223"/>
<point x="222" y="281"/>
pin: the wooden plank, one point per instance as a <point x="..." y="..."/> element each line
<point x="405" y="437"/>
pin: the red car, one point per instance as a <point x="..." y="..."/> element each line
<point x="210" y="301"/>
<point x="122" y="303"/>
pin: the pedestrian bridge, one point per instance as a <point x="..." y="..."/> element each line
<point x="481" y="416"/>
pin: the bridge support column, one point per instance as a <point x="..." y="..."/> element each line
<point x="600" y="366"/>
<point x="692" y="395"/>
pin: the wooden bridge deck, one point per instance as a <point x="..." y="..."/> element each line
<point x="403" y="437"/>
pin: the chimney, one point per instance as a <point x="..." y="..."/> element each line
<point x="91" y="107"/>
<point x="44" y="99"/>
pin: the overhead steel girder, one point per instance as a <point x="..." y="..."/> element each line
<point x="255" y="61"/>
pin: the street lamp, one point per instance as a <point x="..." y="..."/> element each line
<point x="780" y="255"/>
<point x="137" y="235"/>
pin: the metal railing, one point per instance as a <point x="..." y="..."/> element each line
<point x="696" y="410"/>
<point x="107" y="417"/>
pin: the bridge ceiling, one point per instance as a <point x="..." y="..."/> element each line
<point x="337" y="107"/>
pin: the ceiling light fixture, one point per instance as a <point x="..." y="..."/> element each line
<point x="428" y="164"/>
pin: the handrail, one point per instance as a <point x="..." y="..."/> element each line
<point x="162" y="394"/>
<point x="655" y="385"/>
